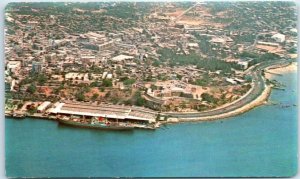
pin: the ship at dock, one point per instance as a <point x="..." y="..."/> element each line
<point x="104" y="116"/>
<point x="91" y="115"/>
<point x="95" y="123"/>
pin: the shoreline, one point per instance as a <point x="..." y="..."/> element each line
<point x="273" y="71"/>
<point x="257" y="102"/>
<point x="260" y="100"/>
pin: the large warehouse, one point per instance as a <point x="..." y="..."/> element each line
<point x="117" y="112"/>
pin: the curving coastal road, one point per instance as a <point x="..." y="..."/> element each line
<point x="259" y="85"/>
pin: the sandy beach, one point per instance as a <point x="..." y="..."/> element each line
<point x="281" y="70"/>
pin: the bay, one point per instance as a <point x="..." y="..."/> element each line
<point x="261" y="142"/>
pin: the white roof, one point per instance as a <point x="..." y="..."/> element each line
<point x="218" y="40"/>
<point x="101" y="113"/>
<point x="74" y="75"/>
<point x="13" y="64"/>
<point x="278" y="35"/>
<point x="109" y="76"/>
<point x="281" y="37"/>
<point x="231" y="80"/>
<point x="122" y="57"/>
<point x="44" y="105"/>
<point x="174" y="89"/>
<point x="193" y="45"/>
<point x="57" y="108"/>
<point x="294" y="30"/>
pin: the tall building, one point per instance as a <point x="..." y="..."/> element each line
<point x="36" y="67"/>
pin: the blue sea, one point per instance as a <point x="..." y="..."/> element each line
<point x="261" y="142"/>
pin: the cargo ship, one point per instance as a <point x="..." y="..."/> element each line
<point x="105" y="125"/>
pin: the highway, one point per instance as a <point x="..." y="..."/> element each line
<point x="259" y="86"/>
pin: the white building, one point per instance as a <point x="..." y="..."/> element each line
<point x="104" y="75"/>
<point x="244" y="64"/>
<point x="279" y="38"/>
<point x="120" y="58"/>
<point x="13" y="66"/>
<point x="43" y="106"/>
<point x="84" y="77"/>
<point x="109" y="76"/>
<point x="193" y="45"/>
<point x="232" y="81"/>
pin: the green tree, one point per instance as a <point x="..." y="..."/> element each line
<point x="102" y="89"/>
<point x="95" y="96"/>
<point x="129" y="81"/>
<point x="118" y="71"/>
<point x="139" y="100"/>
<point x="42" y="79"/>
<point x="80" y="96"/>
<point x="95" y="84"/>
<point x="31" y="89"/>
<point x="107" y="83"/>
<point x="209" y="98"/>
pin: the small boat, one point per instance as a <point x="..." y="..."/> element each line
<point x="18" y="115"/>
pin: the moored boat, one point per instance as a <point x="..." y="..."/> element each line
<point x="105" y="126"/>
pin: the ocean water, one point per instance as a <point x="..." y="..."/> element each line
<point x="261" y="142"/>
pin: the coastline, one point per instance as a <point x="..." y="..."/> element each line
<point x="272" y="71"/>
<point x="260" y="100"/>
<point x="257" y="102"/>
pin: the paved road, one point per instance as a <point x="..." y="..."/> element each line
<point x="179" y="16"/>
<point x="259" y="86"/>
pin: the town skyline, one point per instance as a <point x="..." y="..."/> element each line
<point x="167" y="61"/>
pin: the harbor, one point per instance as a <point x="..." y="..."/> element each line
<point x="122" y="117"/>
<point x="199" y="145"/>
<point x="87" y="115"/>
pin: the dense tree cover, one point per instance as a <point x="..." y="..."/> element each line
<point x="216" y="7"/>
<point x="257" y="58"/>
<point x="95" y="69"/>
<point x="264" y="57"/>
<point x="214" y="65"/>
<point x="292" y="50"/>
<point x="84" y="21"/>
<point x="266" y="14"/>
<point x="122" y="10"/>
<point x="203" y="81"/>
<point x="156" y="63"/>
<point x="165" y="53"/>
<point x="40" y="78"/>
<point x="206" y="47"/>
<point x="129" y="81"/>
<point x="209" y="98"/>
<point x="246" y="54"/>
<point x="244" y="38"/>
<point x="194" y="59"/>
<point x="137" y="100"/>
<point x="248" y="78"/>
